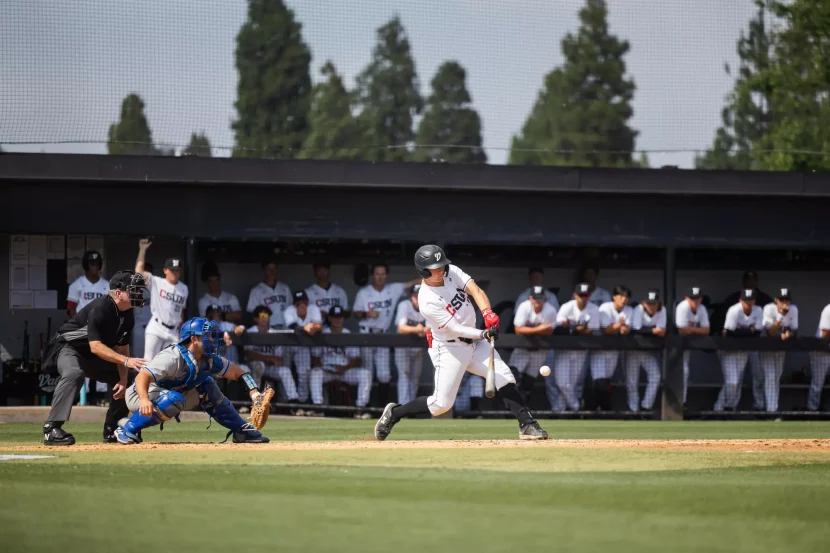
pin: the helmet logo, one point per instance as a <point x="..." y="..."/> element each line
<point x="438" y="256"/>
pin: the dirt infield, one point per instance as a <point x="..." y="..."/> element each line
<point x="762" y="445"/>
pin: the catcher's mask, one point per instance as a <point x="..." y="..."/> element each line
<point x="134" y="284"/>
<point x="210" y="332"/>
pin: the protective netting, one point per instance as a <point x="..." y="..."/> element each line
<point x="66" y="69"/>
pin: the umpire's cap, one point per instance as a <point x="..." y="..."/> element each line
<point x="430" y="257"/>
<point x="133" y="283"/>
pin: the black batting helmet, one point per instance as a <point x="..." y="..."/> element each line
<point x="91" y="257"/>
<point x="430" y="257"/>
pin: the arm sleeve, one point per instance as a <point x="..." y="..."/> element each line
<point x="314" y="314"/>
<point x="235" y="303"/>
<point x="593" y="324"/>
<point x="562" y="315"/>
<point x="400" y="315"/>
<point x="794" y="317"/>
<point x="290" y="316"/>
<point x="398" y="289"/>
<point x="681" y="316"/>
<point x="462" y="277"/>
<point x="553" y="315"/>
<point x="360" y="302"/>
<point x="731" y="322"/>
<point x="768" y="318"/>
<point x="637" y="318"/>
<point x="758" y="316"/>
<point x="824" y="321"/>
<point x="74" y="293"/>
<point x="605" y="318"/>
<point x="521" y="315"/>
<point x="704" y="317"/>
<point x="660" y="320"/>
<point x="454" y="327"/>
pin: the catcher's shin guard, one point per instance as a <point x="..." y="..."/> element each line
<point x="166" y="407"/>
<point x="225" y="414"/>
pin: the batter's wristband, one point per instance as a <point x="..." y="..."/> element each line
<point x="249" y="381"/>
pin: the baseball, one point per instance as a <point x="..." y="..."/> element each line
<point x="545" y="370"/>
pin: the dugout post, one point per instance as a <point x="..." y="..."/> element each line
<point x="671" y="400"/>
<point x="192" y="276"/>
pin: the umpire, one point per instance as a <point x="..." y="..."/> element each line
<point x="95" y="343"/>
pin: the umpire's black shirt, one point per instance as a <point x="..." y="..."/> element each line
<point x="99" y="321"/>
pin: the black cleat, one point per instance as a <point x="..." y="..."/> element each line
<point x="109" y="435"/>
<point x="55" y="435"/>
<point x="532" y="431"/>
<point x="385" y="423"/>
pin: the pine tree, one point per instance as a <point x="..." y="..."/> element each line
<point x="334" y="131"/>
<point x="131" y="135"/>
<point x="389" y="95"/>
<point x="581" y="115"/>
<point x="274" y="90"/>
<point x="450" y="130"/>
<point x="199" y="146"/>
<point x="746" y="116"/>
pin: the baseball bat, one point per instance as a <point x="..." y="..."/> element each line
<point x="490" y="386"/>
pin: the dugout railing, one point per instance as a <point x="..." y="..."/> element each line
<point x="668" y="351"/>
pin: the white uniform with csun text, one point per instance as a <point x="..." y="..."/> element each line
<point x="772" y="362"/>
<point x="167" y="302"/>
<point x="277" y="299"/>
<point x="733" y="363"/>
<point x="408" y="361"/>
<point x="451" y="356"/>
<point x="325" y="299"/>
<point x="383" y="301"/>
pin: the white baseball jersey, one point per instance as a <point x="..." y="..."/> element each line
<point x="736" y="318"/>
<point x="227" y="302"/>
<point x="608" y="314"/>
<point x="570" y="312"/>
<point x="788" y="321"/>
<point x="640" y="318"/>
<point x="824" y="321"/>
<point x="684" y="317"/>
<point x="264" y="349"/>
<point x="82" y="291"/>
<point x="277" y="299"/>
<point x="326" y="299"/>
<point x="600" y="296"/>
<point x="527" y="316"/>
<point x="312" y="315"/>
<point x="408" y="315"/>
<point x="439" y="304"/>
<point x="383" y="301"/>
<point x="167" y="300"/>
<point x="549" y="298"/>
<point x="331" y="356"/>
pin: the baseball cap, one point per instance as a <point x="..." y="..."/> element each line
<point x="337" y="311"/>
<point x="300" y="296"/>
<point x="92" y="257"/>
<point x="537" y="293"/>
<point x="211" y="309"/>
<point x="122" y="279"/>
<point x="583" y="289"/>
<point x="694" y="292"/>
<point x="784" y="294"/>
<point x="748" y="294"/>
<point x="652" y="296"/>
<point x="173" y="263"/>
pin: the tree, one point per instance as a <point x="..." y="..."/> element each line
<point x="388" y="91"/>
<point x="450" y="129"/>
<point x="746" y="115"/>
<point x="581" y="115"/>
<point x="131" y="135"/>
<point x="334" y="131"/>
<point x="199" y="146"/>
<point x="274" y="89"/>
<point x="798" y="78"/>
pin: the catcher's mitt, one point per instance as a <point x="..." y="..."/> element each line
<point x="261" y="408"/>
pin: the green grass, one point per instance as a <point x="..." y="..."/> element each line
<point x="398" y="500"/>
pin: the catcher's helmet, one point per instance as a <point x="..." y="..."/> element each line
<point x="91" y="257"/>
<point x="210" y="332"/>
<point x="430" y="257"/>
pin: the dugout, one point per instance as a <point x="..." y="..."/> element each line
<point x="661" y="228"/>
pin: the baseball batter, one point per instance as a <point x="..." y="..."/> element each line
<point x="339" y="363"/>
<point x="614" y="318"/>
<point x="324" y="293"/>
<point x="307" y="317"/>
<point x="374" y="307"/>
<point x="691" y="318"/>
<point x="578" y="316"/>
<point x="647" y="318"/>
<point x="271" y="293"/>
<point x="269" y="360"/>
<point x="181" y="377"/>
<point x="744" y="319"/>
<point x="535" y="316"/>
<point x="819" y="362"/>
<point x="168" y="297"/>
<point x="456" y="345"/>
<point x="409" y="361"/>
<point x="780" y="319"/>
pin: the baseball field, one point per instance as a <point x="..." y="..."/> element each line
<point x="435" y="485"/>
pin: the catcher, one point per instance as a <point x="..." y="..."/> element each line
<point x="181" y="377"/>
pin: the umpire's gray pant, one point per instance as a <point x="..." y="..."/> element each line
<point x="72" y="368"/>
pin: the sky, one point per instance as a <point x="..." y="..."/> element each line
<point x="65" y="67"/>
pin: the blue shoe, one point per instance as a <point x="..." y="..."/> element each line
<point x="125" y="437"/>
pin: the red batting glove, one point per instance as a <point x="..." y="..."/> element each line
<point x="490" y="318"/>
<point x="429" y="337"/>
